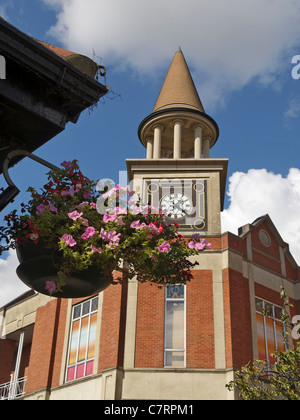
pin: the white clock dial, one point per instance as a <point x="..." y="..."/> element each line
<point x="176" y="205"/>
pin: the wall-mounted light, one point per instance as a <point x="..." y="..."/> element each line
<point x="9" y="194"/>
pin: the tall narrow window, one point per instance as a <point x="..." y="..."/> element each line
<point x="82" y="340"/>
<point x="175" y="354"/>
<point x="269" y="330"/>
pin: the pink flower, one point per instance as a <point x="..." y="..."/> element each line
<point x="164" y="247"/>
<point x="120" y="210"/>
<point x="87" y="194"/>
<point x="52" y="208"/>
<point x="199" y="245"/>
<point x="130" y="193"/>
<point x="50" y="286"/>
<point x="109" y="218"/>
<point x="81" y="206"/>
<point x="89" y="232"/>
<point x="66" y="165"/>
<point x="40" y="209"/>
<point x="69" y="240"/>
<point x="152" y="229"/>
<point x="94" y="249"/>
<point x="120" y="221"/>
<point x="191" y="245"/>
<point x="74" y="215"/>
<point x="135" y="209"/>
<point x="93" y="205"/>
<point x="111" y="236"/>
<point x="66" y="193"/>
<point x="109" y="193"/>
<point x="137" y="225"/>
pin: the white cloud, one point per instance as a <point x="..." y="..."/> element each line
<point x="3" y="11"/>
<point x="10" y="285"/>
<point x="229" y="43"/>
<point x="259" y="192"/>
<point x="293" y="110"/>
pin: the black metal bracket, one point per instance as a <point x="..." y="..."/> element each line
<point x="9" y="194"/>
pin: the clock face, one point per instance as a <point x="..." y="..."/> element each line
<point x="176" y="205"/>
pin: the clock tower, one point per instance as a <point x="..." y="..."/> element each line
<point x="178" y="174"/>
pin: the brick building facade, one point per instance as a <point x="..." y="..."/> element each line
<point x="138" y="341"/>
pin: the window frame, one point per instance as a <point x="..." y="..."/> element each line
<point x="169" y="350"/>
<point x="274" y="319"/>
<point x="86" y="360"/>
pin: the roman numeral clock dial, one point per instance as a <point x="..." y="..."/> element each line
<point x="176" y="206"/>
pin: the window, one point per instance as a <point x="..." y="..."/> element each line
<point x="269" y="330"/>
<point x="174" y="352"/>
<point x="82" y="340"/>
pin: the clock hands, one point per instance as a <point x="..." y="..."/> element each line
<point x="176" y="205"/>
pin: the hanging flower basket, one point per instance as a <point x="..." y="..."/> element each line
<point x="73" y="236"/>
<point x="39" y="268"/>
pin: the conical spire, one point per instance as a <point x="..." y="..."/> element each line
<point x="178" y="90"/>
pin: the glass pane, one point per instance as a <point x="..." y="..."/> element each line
<point x="279" y="337"/>
<point x="268" y="309"/>
<point x="270" y="339"/>
<point x="259" y="305"/>
<point x="174" y="325"/>
<point x="278" y="311"/>
<point x="80" y="371"/>
<point x="260" y="337"/>
<point x="71" y="374"/>
<point x="92" y="336"/>
<point x="175" y="292"/>
<point x="89" y="368"/>
<point x="83" y="338"/>
<point x="174" y="359"/>
<point x="94" y="305"/>
<point x="74" y="343"/>
<point x="86" y="308"/>
<point x="77" y="311"/>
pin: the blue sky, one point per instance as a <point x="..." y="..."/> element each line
<point x="239" y="53"/>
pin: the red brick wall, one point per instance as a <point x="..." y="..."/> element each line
<point x="200" y="351"/>
<point x="199" y="325"/>
<point x="238" y="333"/>
<point x="271" y="253"/>
<point x="113" y="327"/>
<point x="229" y="240"/>
<point x="59" y="344"/>
<point x="25" y="360"/>
<point x="291" y="272"/>
<point x="268" y="294"/>
<point x="149" y="351"/>
<point x="7" y="348"/>
<point x="266" y="262"/>
<point x="273" y="249"/>
<point x="43" y="347"/>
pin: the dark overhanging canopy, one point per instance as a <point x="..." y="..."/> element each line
<point x="42" y="92"/>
